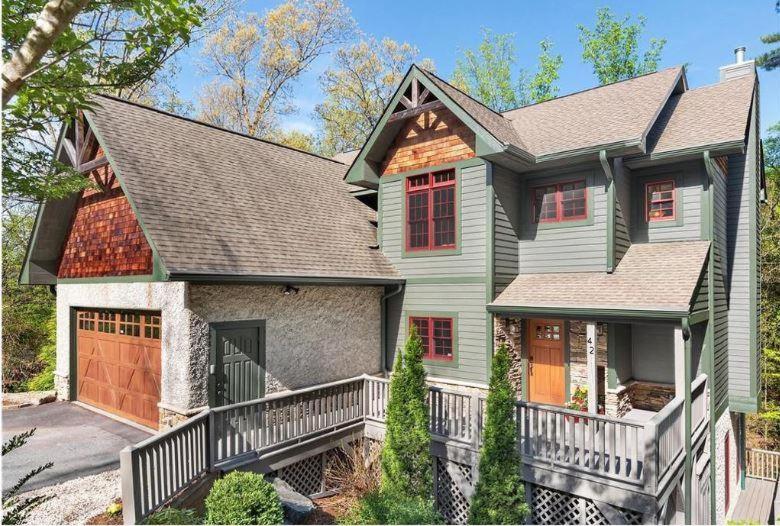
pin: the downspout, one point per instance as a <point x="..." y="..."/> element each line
<point x="688" y="474"/>
<point x="711" y="324"/>
<point x="611" y="210"/>
<point x="383" y="323"/>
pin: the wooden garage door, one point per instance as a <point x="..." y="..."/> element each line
<point x="118" y="365"/>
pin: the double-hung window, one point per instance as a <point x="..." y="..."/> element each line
<point x="560" y="202"/>
<point x="436" y="335"/>
<point x="660" y="201"/>
<point x="430" y="211"/>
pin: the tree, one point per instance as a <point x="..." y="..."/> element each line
<point x="771" y="59"/>
<point x="15" y="511"/>
<point x="257" y="59"/>
<point x="26" y="310"/>
<point x="499" y="497"/>
<point x="487" y="74"/>
<point x="53" y="64"/>
<point x="407" y="467"/>
<point x="296" y="139"/>
<point x="612" y="47"/>
<point x="357" y="89"/>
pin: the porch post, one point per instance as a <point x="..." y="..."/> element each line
<point x="679" y="361"/>
<point x="687" y="369"/>
<point x="593" y="382"/>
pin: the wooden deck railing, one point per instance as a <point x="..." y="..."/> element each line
<point x="762" y="464"/>
<point x="636" y="453"/>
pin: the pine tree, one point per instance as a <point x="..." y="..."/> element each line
<point x="499" y="497"/>
<point x="407" y="467"/>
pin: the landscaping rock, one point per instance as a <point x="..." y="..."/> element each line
<point x="296" y="506"/>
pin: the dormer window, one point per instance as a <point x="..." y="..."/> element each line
<point x="560" y="202"/>
<point x="430" y="211"/>
<point x="659" y="199"/>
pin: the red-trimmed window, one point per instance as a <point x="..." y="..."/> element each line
<point x="560" y="202"/>
<point x="437" y="337"/>
<point x="660" y="199"/>
<point x="430" y="211"/>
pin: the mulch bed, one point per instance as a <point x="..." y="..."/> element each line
<point x="329" y="509"/>
<point x="105" y="518"/>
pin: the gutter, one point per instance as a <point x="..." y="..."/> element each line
<point x="196" y="277"/>
<point x="383" y="323"/>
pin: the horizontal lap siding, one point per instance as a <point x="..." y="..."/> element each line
<point x="468" y="301"/>
<point x="743" y="296"/>
<point x="576" y="248"/>
<point x="622" y="210"/>
<point x="721" y="385"/>
<point x="508" y="191"/>
<point x="689" y="179"/>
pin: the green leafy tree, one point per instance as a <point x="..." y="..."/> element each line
<point x="499" y="497"/>
<point x="15" y="510"/>
<point x="488" y="74"/>
<point x="765" y="426"/>
<point x="407" y="467"/>
<point x="28" y="312"/>
<point x="55" y="61"/>
<point x="771" y="59"/>
<point x="612" y="47"/>
<point x="357" y="88"/>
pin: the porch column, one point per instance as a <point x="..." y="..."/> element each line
<point x="593" y="381"/>
<point x="679" y="361"/>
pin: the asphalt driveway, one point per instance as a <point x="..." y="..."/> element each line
<point x="78" y="441"/>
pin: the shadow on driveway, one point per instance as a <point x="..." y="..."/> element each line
<point x="78" y="441"/>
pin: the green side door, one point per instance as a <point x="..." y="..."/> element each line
<point x="237" y="362"/>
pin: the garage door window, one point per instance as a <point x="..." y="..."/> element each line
<point x="106" y="322"/>
<point x="151" y="326"/>
<point x="130" y="324"/>
<point x="87" y="321"/>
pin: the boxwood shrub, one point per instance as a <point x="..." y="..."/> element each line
<point x="243" y="498"/>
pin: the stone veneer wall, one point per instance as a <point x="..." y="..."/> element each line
<point x="509" y="331"/>
<point x="319" y="335"/>
<point x="726" y="424"/>
<point x="578" y="358"/>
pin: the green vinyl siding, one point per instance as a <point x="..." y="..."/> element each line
<point x="720" y="385"/>
<point x="508" y="195"/>
<point x="622" y="210"/>
<point x="743" y="290"/>
<point x="566" y="246"/>
<point x="688" y="182"/>
<point x="444" y="284"/>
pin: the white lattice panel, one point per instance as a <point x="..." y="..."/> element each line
<point x="304" y="476"/>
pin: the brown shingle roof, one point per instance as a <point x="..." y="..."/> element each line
<point x="615" y="113"/>
<point x="498" y="126"/>
<point x="221" y="203"/>
<point x="704" y="116"/>
<point x="650" y="277"/>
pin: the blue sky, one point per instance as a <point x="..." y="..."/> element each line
<point x="702" y="34"/>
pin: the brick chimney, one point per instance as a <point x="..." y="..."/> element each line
<point x="739" y="68"/>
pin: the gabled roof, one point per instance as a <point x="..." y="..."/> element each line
<point x="652" y="278"/>
<point x="218" y="204"/>
<point x="598" y="118"/>
<point x="698" y="118"/>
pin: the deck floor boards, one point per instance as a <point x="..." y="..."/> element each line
<point x="756" y="501"/>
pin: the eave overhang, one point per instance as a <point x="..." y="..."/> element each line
<point x="217" y="277"/>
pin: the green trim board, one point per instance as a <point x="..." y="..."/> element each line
<point x="596" y="313"/>
<point x="365" y="171"/>
<point x="438" y="314"/>
<point x="743" y="404"/>
<point x="144" y="278"/>
<point x="405" y="253"/>
<point x="490" y="264"/>
<point x="458" y="165"/>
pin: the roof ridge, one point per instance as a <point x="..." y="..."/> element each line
<point x="723" y="82"/>
<point x="425" y="71"/>
<point x="592" y="88"/>
<point x="213" y="126"/>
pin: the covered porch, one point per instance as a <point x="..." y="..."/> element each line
<point x="610" y="378"/>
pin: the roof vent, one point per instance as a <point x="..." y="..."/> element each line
<point x="739" y="54"/>
<point x="739" y="68"/>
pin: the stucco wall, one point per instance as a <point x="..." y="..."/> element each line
<point x="725" y="424"/>
<point x="169" y="298"/>
<point x="318" y="335"/>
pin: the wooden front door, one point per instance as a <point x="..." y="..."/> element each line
<point x="546" y="373"/>
<point x="238" y="360"/>
<point x="118" y="363"/>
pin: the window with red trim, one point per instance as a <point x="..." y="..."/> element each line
<point x="660" y="199"/>
<point x="430" y="211"/>
<point x="560" y="202"/>
<point x="436" y="335"/>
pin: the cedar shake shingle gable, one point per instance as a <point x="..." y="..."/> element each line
<point x="651" y="277"/>
<point x="220" y="203"/>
